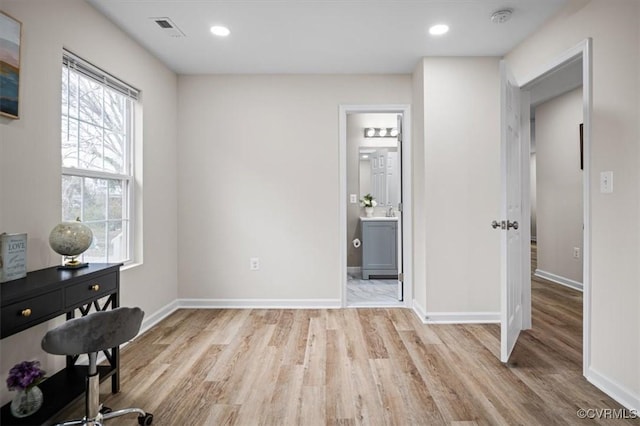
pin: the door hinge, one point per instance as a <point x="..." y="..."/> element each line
<point x="400" y="206"/>
<point x="401" y="277"/>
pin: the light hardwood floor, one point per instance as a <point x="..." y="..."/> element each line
<point x="357" y="366"/>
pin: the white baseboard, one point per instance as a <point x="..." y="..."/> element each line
<point x="461" y="317"/>
<point x="153" y="319"/>
<point x="354" y="270"/>
<point x="419" y="311"/>
<point x="455" y="317"/>
<point x="260" y="303"/>
<point x="616" y="391"/>
<point x="558" y="279"/>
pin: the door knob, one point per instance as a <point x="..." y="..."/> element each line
<point x="513" y="224"/>
<point x="495" y="224"/>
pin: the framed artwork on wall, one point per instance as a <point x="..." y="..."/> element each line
<point x="10" y="32"/>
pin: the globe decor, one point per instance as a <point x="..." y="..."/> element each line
<point x="71" y="239"/>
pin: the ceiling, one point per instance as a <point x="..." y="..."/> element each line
<point x="322" y="36"/>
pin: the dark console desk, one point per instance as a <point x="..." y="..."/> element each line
<point x="46" y="294"/>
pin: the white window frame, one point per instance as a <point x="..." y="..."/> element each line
<point x="87" y="70"/>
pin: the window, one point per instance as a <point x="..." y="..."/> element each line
<point x="97" y="157"/>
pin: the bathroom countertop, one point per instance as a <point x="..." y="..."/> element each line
<point x="378" y="218"/>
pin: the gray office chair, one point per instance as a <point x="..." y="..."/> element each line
<point x="89" y="335"/>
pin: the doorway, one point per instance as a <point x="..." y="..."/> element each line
<point x="582" y="55"/>
<point x="374" y="225"/>
<point x="556" y="175"/>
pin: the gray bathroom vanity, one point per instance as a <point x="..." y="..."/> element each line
<point x="379" y="247"/>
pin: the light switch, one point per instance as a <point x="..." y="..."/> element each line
<point x="606" y="182"/>
<point x="353" y="198"/>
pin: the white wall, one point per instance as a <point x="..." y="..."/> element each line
<point x="559" y="185"/>
<point x="461" y="184"/>
<point x="30" y="157"/>
<point x="615" y="307"/>
<point x="259" y="176"/>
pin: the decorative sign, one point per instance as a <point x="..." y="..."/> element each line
<point x="13" y="256"/>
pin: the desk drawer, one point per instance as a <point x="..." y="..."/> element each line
<point x="20" y="315"/>
<point x="90" y="289"/>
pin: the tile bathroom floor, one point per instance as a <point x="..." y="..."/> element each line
<point x="372" y="292"/>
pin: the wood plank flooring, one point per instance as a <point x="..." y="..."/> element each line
<point x="357" y="367"/>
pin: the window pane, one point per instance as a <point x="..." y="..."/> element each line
<point x="90" y="143"/>
<point x="73" y="94"/>
<point x="118" y="244"/>
<point x="71" y="198"/>
<point x="90" y="101"/>
<point x="87" y="198"/>
<point x="98" y="250"/>
<point x="116" y="205"/>
<point x="65" y="90"/>
<point x="114" y="111"/>
<point x="114" y="152"/>
<point x="95" y="199"/>
<point x="69" y="142"/>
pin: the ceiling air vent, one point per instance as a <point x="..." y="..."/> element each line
<point x="168" y="27"/>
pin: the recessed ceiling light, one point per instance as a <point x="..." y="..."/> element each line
<point x="220" y="31"/>
<point x="439" y="29"/>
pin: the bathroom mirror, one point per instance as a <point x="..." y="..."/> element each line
<point x="379" y="174"/>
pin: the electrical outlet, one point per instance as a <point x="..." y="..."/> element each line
<point x="576" y="252"/>
<point x="254" y="263"/>
<point x="353" y="198"/>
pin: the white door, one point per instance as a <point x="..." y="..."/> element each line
<point x="398" y="172"/>
<point x="511" y="321"/>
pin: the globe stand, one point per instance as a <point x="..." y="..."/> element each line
<point x="72" y="262"/>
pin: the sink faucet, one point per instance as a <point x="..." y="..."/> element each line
<point x="390" y="213"/>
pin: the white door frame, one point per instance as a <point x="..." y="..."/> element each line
<point x="407" y="219"/>
<point x="584" y="51"/>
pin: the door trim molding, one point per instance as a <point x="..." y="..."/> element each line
<point x="407" y="219"/>
<point x="584" y="51"/>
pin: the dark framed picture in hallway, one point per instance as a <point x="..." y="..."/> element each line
<point x="581" y="148"/>
<point x="10" y="31"/>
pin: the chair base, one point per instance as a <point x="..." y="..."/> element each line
<point x="144" y="418"/>
<point x="96" y="413"/>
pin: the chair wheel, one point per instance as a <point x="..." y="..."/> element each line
<point x="105" y="410"/>
<point x="145" y="420"/>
